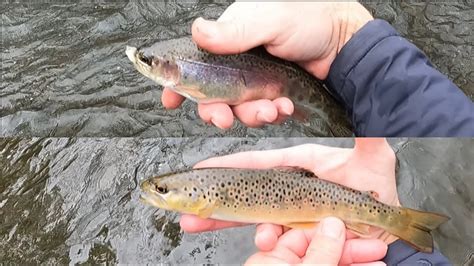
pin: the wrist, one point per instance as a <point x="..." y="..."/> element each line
<point x="350" y="19"/>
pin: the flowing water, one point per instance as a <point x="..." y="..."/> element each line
<point x="65" y="73"/>
<point x="76" y="200"/>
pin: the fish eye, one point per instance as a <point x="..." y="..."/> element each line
<point x="161" y="190"/>
<point x="144" y="59"/>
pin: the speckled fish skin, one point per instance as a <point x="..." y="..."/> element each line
<point x="203" y="77"/>
<point x="295" y="198"/>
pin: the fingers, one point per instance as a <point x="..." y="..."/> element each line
<point x="329" y="246"/>
<point x="282" y="257"/>
<point x="231" y="36"/>
<point x="194" y="224"/>
<point x="296" y="240"/>
<point x="321" y="245"/>
<point x="256" y="113"/>
<point x="218" y="114"/>
<point x="253" y="114"/>
<point x="267" y="236"/>
<point x="328" y="243"/>
<point x="363" y="250"/>
<point x="300" y="156"/>
<point x="170" y="99"/>
<point x="261" y="112"/>
<point x="285" y="109"/>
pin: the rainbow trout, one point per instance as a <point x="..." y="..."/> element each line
<point x="294" y="198"/>
<point x="203" y="77"/>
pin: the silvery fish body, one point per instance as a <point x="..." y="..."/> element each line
<point x="180" y="65"/>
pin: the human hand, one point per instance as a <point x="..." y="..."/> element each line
<point x="369" y="166"/>
<point x="286" y="29"/>
<point x="326" y="244"/>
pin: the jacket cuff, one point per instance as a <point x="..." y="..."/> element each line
<point x="352" y="53"/>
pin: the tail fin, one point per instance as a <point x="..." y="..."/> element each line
<point x="416" y="231"/>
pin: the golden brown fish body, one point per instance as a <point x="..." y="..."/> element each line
<point x="294" y="198"/>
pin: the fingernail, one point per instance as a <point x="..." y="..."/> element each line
<point x="286" y="111"/>
<point x="332" y="227"/>
<point x="263" y="117"/>
<point x="206" y="28"/>
<point x="217" y="124"/>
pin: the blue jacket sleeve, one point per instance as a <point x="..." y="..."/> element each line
<point x="400" y="253"/>
<point x="390" y="88"/>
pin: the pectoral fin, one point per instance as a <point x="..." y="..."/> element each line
<point x="307" y="225"/>
<point x="192" y="93"/>
<point x="205" y="211"/>
<point x="362" y="230"/>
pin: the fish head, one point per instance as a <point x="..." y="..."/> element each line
<point x="171" y="192"/>
<point x="159" y="68"/>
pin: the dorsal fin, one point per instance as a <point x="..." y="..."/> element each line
<point x="371" y="194"/>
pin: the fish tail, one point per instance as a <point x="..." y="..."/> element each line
<point x="417" y="230"/>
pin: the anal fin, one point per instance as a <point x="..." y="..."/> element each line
<point x="303" y="225"/>
<point x="362" y="230"/>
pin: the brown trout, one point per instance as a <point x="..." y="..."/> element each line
<point x="291" y="197"/>
<point x="203" y="77"/>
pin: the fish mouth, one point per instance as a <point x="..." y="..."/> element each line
<point x="148" y="196"/>
<point x="131" y="51"/>
<point x="152" y="199"/>
<point x="134" y="56"/>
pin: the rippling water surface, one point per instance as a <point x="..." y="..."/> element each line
<point x="65" y="73"/>
<point x="76" y="200"/>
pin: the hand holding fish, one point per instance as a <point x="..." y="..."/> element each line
<point x="287" y="30"/>
<point x="369" y="166"/>
<point x="326" y="244"/>
<point x="296" y="188"/>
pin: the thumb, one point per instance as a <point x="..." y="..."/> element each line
<point x="328" y="242"/>
<point x="229" y="37"/>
